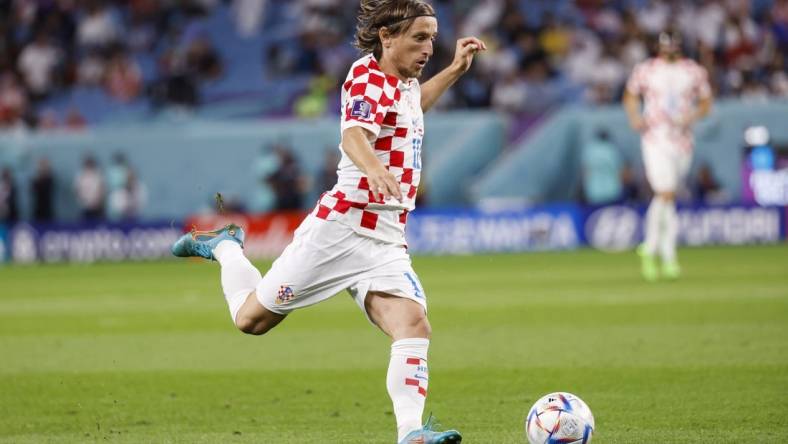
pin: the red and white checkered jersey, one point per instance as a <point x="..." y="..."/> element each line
<point x="670" y="91"/>
<point x="390" y="110"/>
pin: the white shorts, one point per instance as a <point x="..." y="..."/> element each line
<point x="666" y="165"/>
<point x="327" y="257"/>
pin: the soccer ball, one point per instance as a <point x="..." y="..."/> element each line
<point x="559" y="418"/>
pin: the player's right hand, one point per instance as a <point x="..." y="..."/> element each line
<point x="383" y="184"/>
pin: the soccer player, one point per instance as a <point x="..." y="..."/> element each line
<point x="354" y="239"/>
<point x="676" y="94"/>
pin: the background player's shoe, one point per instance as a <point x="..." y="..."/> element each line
<point x="427" y="435"/>
<point x="671" y="270"/>
<point x="202" y="243"/>
<point x="648" y="265"/>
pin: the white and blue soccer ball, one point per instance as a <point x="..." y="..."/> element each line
<point x="559" y="418"/>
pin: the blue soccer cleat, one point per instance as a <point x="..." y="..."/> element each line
<point x="427" y="435"/>
<point x="201" y="243"/>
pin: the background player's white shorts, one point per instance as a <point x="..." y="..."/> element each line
<point x="666" y="165"/>
<point x="327" y="257"/>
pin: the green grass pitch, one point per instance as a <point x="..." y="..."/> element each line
<point x="145" y="352"/>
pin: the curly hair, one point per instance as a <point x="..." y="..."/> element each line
<point x="396" y="16"/>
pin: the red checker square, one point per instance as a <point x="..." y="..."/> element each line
<point x="376" y="79"/>
<point x="412" y="192"/>
<point x="413" y="361"/>
<point x="323" y="212"/>
<point x="401" y="132"/>
<point x="397" y="158"/>
<point x="409" y="381"/>
<point x="363" y="184"/>
<point x="360" y="70"/>
<point x="422" y="392"/>
<point x="378" y="118"/>
<point x="383" y="144"/>
<point x="342" y="206"/>
<point x="358" y="89"/>
<point x="391" y="120"/>
<point x="403" y="217"/>
<point x="407" y="175"/>
<point x="392" y="80"/>
<point x="369" y="220"/>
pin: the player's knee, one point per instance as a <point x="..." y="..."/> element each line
<point x="419" y="327"/>
<point x="251" y="326"/>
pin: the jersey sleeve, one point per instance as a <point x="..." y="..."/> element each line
<point x="637" y="80"/>
<point x="369" y="97"/>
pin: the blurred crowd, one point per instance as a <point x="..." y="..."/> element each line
<point x="541" y="54"/>
<point x="113" y="193"/>
<point x="50" y="47"/>
<point x="544" y="54"/>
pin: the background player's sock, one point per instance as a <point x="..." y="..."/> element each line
<point x="670" y="233"/>
<point x="407" y="383"/>
<point x="653" y="226"/>
<point x="239" y="276"/>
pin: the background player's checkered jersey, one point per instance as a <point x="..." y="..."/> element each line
<point x="669" y="93"/>
<point x="391" y="110"/>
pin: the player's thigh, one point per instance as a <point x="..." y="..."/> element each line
<point x="314" y="267"/>
<point x="391" y="295"/>
<point x="661" y="165"/>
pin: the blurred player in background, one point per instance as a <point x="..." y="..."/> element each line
<point x="676" y="94"/>
<point x="355" y="238"/>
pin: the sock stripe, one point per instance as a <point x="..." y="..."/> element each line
<point x="415" y="383"/>
<point x="413" y="361"/>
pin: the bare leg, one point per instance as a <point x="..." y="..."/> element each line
<point x="254" y="319"/>
<point x="399" y="318"/>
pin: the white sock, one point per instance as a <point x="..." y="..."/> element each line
<point x="407" y="383"/>
<point x="239" y="276"/>
<point x="653" y="225"/>
<point x="671" y="232"/>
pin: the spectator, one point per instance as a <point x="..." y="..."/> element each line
<point x="601" y="165"/>
<point x="13" y="100"/>
<point x="89" y="189"/>
<point x="42" y="189"/>
<point x="38" y="63"/>
<point x="123" y="79"/>
<point x="707" y="189"/>
<point x="127" y="201"/>
<point x="327" y="177"/>
<point x="118" y="172"/>
<point x="266" y="164"/>
<point x="97" y="29"/>
<point x="9" y="212"/>
<point x="288" y="182"/>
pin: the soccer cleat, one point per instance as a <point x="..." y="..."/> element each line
<point x="671" y="270"/>
<point x="427" y="435"/>
<point x="648" y="265"/>
<point x="202" y="243"/>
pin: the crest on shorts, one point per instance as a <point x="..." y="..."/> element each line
<point x="361" y="108"/>
<point x="285" y="294"/>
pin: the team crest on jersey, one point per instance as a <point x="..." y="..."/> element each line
<point x="285" y="294"/>
<point x="361" y="108"/>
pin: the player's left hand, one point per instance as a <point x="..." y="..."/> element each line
<point x="466" y="48"/>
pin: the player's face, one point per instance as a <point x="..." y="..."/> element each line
<point x="670" y="51"/>
<point x="410" y="51"/>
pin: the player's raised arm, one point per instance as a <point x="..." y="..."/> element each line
<point x="381" y="182"/>
<point x="466" y="48"/>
